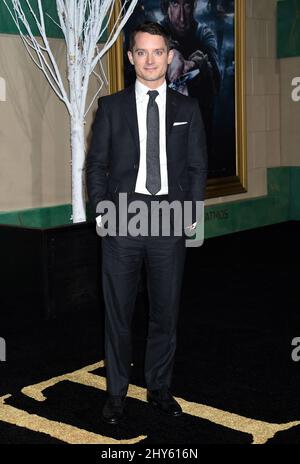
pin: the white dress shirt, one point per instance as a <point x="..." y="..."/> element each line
<point x="142" y="99"/>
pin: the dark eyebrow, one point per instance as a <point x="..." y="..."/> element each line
<point x="143" y="50"/>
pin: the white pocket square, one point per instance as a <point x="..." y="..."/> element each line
<point x="180" y="123"/>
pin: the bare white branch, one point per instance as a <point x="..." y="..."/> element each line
<point x="54" y="22"/>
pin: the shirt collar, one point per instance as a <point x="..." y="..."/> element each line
<point x="141" y="90"/>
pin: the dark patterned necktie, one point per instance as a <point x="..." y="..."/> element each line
<point x="153" y="182"/>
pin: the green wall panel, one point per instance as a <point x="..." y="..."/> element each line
<point x="295" y="193"/>
<point x="288" y="28"/>
<point x="7" y="25"/>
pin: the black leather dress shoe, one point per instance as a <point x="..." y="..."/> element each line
<point x="163" y="400"/>
<point x="113" y="409"/>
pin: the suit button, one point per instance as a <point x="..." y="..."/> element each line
<point x="135" y="166"/>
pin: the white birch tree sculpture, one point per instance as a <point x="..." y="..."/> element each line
<point x="83" y="24"/>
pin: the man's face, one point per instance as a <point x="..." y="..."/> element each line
<point x="150" y="58"/>
<point x="180" y="13"/>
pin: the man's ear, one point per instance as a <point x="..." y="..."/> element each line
<point x="170" y="56"/>
<point x="130" y="57"/>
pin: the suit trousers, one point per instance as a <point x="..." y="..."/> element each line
<point x="122" y="259"/>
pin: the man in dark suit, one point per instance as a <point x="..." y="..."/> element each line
<point x="148" y="142"/>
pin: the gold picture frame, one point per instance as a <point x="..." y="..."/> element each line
<point x="221" y="186"/>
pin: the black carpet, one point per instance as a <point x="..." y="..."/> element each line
<point x="239" y="315"/>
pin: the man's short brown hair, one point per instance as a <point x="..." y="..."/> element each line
<point x="150" y="28"/>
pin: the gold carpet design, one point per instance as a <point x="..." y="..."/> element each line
<point x="261" y="431"/>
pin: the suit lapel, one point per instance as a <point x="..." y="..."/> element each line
<point x="171" y="110"/>
<point x="131" y="115"/>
